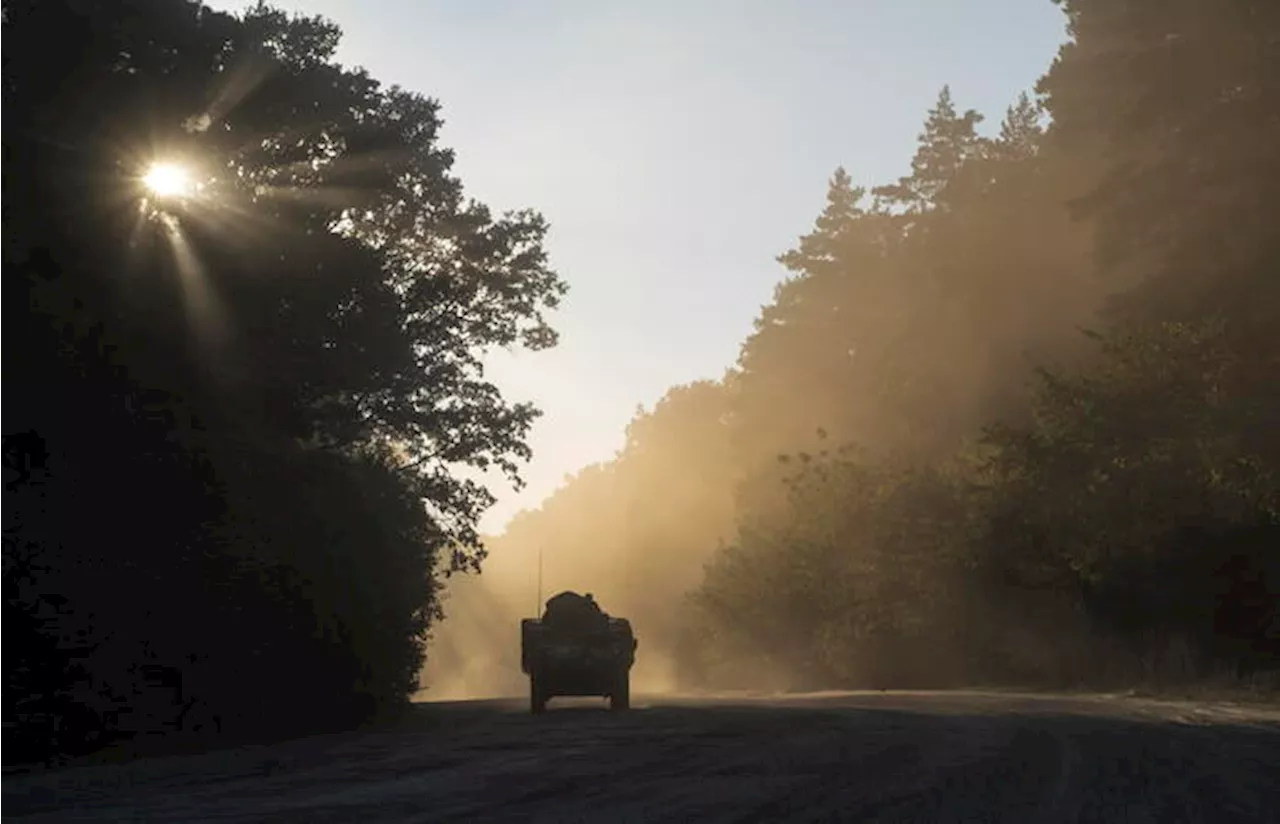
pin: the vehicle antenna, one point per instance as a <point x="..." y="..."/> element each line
<point x="537" y="608"/>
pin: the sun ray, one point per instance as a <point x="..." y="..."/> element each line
<point x="205" y="314"/>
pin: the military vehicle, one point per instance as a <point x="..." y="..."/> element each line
<point x="576" y="648"/>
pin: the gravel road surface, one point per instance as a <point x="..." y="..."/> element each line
<point x="897" y="756"/>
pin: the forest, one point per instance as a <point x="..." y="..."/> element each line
<point x="1009" y="419"/>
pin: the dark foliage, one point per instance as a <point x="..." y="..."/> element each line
<point x="236" y="417"/>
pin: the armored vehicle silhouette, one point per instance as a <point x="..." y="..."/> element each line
<point x="577" y="649"/>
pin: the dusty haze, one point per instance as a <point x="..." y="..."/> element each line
<point x="634" y="533"/>
<point x="919" y="471"/>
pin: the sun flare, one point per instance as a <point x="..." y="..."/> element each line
<point x="167" y="180"/>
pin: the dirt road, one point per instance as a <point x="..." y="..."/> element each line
<point x="936" y="757"/>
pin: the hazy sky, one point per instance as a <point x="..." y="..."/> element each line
<point x="676" y="147"/>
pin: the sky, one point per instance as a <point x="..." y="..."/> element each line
<point x="676" y="148"/>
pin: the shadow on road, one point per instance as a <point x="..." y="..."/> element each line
<point x="866" y="757"/>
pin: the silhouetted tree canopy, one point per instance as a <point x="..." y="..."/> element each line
<point x="240" y="421"/>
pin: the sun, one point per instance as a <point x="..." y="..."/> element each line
<point x="167" y="180"/>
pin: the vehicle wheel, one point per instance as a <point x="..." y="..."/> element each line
<point x="621" y="697"/>
<point x="537" y="701"/>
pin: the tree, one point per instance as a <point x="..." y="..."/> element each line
<point x="1021" y="131"/>
<point x="264" y="381"/>
<point x="1179" y="97"/>
<point x="903" y="326"/>
<point x="949" y="140"/>
<point x="1134" y="491"/>
<point x="857" y="588"/>
<point x="896" y="310"/>
<point x="1144" y="486"/>
<point x="821" y="343"/>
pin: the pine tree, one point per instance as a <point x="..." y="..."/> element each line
<point x="948" y="141"/>
<point x="1182" y="98"/>
<point x="1020" y="131"/>
<point x="820" y="249"/>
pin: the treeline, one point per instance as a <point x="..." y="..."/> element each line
<point x="1013" y="418"/>
<point x="235" y="418"/>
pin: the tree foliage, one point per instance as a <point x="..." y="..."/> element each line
<point x="1127" y="500"/>
<point x="973" y="489"/>
<point x="236" y="432"/>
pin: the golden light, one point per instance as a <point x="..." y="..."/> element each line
<point x="168" y="180"/>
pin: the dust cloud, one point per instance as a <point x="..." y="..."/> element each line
<point x="475" y="652"/>
<point x="635" y="532"/>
